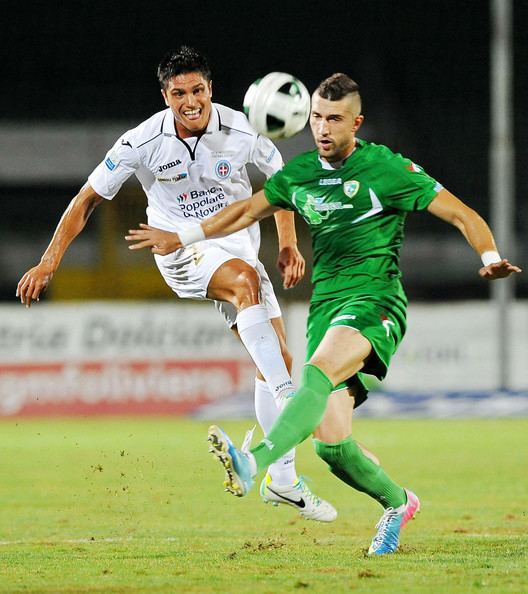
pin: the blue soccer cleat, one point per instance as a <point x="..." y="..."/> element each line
<point x="388" y="532"/>
<point x="391" y="522"/>
<point x="237" y="465"/>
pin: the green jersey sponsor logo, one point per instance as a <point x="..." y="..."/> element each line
<point x="330" y="181"/>
<point x="308" y="208"/>
<point x="314" y="209"/>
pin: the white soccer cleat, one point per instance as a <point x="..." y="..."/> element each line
<point x="299" y="496"/>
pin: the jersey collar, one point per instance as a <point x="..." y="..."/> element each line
<point x="329" y="167"/>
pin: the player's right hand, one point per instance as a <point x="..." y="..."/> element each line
<point x="160" y="242"/>
<point x="33" y="283"/>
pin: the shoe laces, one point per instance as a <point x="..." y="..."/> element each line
<point x="247" y="440"/>
<point x="384" y="524"/>
<point x="307" y="492"/>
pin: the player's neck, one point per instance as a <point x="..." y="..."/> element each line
<point x="183" y="133"/>
<point x="339" y="162"/>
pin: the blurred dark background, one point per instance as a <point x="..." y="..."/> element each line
<point x="75" y="75"/>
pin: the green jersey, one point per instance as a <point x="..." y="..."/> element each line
<point x="356" y="213"/>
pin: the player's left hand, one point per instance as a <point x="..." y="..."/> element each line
<point x="497" y="270"/>
<point x="161" y="242"/>
<point x="291" y="265"/>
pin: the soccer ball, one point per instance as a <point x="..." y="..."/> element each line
<point x="277" y="105"/>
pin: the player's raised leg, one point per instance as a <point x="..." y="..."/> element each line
<point x="281" y="485"/>
<point x="305" y="410"/>
<point x="299" y="418"/>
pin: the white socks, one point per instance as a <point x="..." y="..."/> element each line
<point x="282" y="471"/>
<point x="259" y="338"/>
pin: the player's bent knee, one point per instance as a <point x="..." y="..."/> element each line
<point x="245" y="288"/>
<point x="331" y="435"/>
<point x="247" y="281"/>
<point x="345" y="453"/>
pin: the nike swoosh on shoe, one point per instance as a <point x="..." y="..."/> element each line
<point x="299" y="503"/>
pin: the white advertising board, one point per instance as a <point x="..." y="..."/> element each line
<point x="143" y="358"/>
<point x="117" y="358"/>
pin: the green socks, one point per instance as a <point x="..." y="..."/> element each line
<point x="347" y="462"/>
<point x="299" y="418"/>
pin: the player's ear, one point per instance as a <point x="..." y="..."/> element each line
<point x="358" y="120"/>
<point x="211" y="88"/>
<point x="164" y="93"/>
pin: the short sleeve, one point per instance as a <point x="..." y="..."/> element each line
<point x="266" y="156"/>
<point x="121" y="161"/>
<point x="277" y="191"/>
<point x="405" y="186"/>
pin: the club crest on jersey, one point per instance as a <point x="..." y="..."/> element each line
<point x="223" y="169"/>
<point x="351" y="188"/>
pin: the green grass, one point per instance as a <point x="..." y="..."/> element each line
<point x="129" y="506"/>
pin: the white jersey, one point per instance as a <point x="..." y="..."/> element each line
<point x="188" y="180"/>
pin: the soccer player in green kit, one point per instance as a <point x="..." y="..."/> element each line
<point x="355" y="196"/>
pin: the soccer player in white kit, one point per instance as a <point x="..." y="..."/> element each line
<point x="191" y="162"/>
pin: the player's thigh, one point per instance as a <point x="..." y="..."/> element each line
<point x="188" y="272"/>
<point x="341" y="353"/>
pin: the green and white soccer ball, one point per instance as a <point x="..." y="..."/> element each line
<point x="277" y="105"/>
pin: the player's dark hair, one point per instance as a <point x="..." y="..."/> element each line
<point x="337" y="86"/>
<point x="184" y="59"/>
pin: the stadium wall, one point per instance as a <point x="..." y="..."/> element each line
<point x="147" y="358"/>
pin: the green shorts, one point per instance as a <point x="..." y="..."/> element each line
<point x="380" y="318"/>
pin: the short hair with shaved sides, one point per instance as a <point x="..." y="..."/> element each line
<point x="337" y="86"/>
<point x="181" y="61"/>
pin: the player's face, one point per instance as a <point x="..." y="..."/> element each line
<point x="189" y="97"/>
<point x="334" y="125"/>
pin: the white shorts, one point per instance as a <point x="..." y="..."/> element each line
<point x="188" y="274"/>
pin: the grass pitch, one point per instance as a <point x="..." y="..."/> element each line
<point x="133" y="506"/>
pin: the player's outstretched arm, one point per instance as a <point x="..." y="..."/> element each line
<point x="234" y="217"/>
<point x="449" y="208"/>
<point x="290" y="261"/>
<point x="72" y="222"/>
